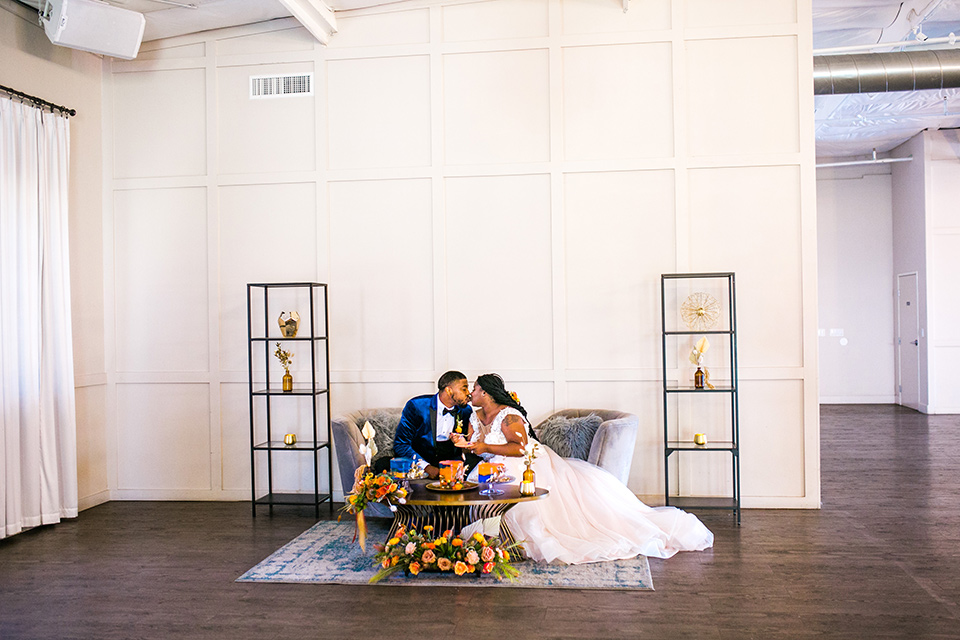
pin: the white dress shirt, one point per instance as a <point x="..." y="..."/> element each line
<point x="445" y="423"/>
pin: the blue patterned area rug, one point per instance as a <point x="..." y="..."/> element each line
<point x="327" y="554"/>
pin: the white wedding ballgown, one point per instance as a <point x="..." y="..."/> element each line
<point x="589" y="516"/>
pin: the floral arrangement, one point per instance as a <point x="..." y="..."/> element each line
<point x="696" y="357"/>
<point x="369" y="487"/>
<point x="412" y="552"/>
<point x="285" y="358"/>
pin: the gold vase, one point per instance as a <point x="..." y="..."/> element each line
<point x="287" y="382"/>
<point x="528" y="486"/>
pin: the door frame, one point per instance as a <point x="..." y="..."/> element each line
<point x="899" y="338"/>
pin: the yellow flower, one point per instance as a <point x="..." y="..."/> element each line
<point x="460" y="568"/>
<point x="479" y="537"/>
<point x="428" y="527"/>
<point x="414" y="568"/>
<point x="457" y="542"/>
<point x="393" y="541"/>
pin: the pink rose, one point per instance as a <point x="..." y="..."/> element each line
<point x="410" y="548"/>
<point x="444" y="564"/>
<point x="487" y="554"/>
<point x="429" y="557"/>
<point x="472" y="557"/>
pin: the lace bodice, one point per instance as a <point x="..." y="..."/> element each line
<point x="492" y="433"/>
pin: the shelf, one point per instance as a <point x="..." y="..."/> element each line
<point x="299" y="339"/>
<point x="677" y="445"/>
<point x="302" y="445"/>
<point x="716" y="332"/>
<point x="701" y="502"/>
<point x="278" y="391"/>
<point x="695" y="276"/>
<point x="689" y="388"/>
<point x="267" y="456"/>
<point x="298" y="499"/>
<point x="725" y="327"/>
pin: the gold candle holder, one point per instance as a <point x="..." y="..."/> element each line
<point x="699" y="438"/>
<point x="290" y="439"/>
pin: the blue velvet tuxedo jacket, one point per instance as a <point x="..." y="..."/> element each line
<point x="417" y="431"/>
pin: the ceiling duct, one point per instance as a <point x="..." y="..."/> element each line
<point x="879" y="72"/>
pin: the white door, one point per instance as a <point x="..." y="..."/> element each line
<point x="908" y="342"/>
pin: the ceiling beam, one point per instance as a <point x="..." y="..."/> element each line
<point x="316" y="16"/>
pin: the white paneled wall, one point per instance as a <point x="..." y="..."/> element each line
<point x="488" y="186"/>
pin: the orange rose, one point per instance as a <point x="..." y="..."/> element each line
<point x="414" y="568"/>
<point x="386" y="563"/>
<point x="460" y="568"/>
<point x="488" y="567"/>
<point x="429" y="557"/>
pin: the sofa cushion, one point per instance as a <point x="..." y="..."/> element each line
<point x="385" y="425"/>
<point x="569" y="437"/>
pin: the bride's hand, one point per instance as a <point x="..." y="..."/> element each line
<point x="478" y="448"/>
<point x="456" y="437"/>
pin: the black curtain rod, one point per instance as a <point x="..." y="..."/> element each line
<point x="39" y="102"/>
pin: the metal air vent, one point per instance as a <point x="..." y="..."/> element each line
<point x="281" y="86"/>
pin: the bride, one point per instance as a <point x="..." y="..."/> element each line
<point x="590" y="516"/>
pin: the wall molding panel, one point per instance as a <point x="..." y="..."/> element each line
<point x="486" y="186"/>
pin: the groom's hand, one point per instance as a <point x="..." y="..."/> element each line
<point x="432" y="472"/>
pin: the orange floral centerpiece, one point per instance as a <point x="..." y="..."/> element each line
<point x="369" y="487"/>
<point x="412" y="552"/>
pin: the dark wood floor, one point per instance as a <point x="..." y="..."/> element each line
<point x="880" y="560"/>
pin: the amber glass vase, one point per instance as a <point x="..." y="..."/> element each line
<point x="287" y="382"/>
<point x="528" y="486"/>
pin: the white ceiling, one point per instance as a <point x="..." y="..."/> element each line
<point x="851" y="125"/>
<point x="855" y="125"/>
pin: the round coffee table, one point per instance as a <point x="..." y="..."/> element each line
<point x="454" y="510"/>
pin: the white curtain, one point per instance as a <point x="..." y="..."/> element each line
<point x="38" y="444"/>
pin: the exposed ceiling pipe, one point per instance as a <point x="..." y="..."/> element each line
<point x="874" y="160"/>
<point x="879" y="72"/>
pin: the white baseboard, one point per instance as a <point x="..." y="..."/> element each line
<point x="891" y="399"/>
<point x="755" y="502"/>
<point x="87" y="502"/>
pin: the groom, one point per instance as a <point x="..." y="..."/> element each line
<point x="427" y="422"/>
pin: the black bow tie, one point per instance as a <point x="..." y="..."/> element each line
<point x="449" y="412"/>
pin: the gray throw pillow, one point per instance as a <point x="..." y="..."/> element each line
<point x="385" y="425"/>
<point x="569" y="437"/>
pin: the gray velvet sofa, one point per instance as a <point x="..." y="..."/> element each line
<point x="611" y="449"/>
<point x="612" y="446"/>
<point x="347" y="441"/>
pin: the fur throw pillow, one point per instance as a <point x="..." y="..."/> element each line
<point x="384" y="424"/>
<point x="569" y="437"/>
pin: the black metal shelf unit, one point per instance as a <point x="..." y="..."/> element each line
<point x="263" y="440"/>
<point x="673" y="445"/>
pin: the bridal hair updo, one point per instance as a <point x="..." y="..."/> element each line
<point x="494" y="386"/>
